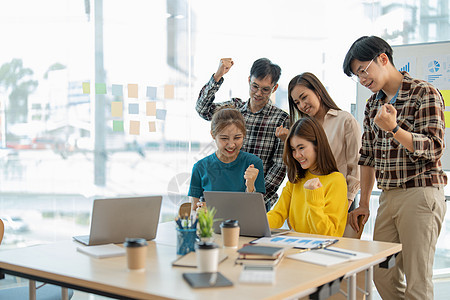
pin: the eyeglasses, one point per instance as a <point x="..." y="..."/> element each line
<point x="265" y="90"/>
<point x="362" y="73"/>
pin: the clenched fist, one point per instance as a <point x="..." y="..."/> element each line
<point x="312" y="184"/>
<point x="224" y="66"/>
<point x="250" y="177"/>
<point x="281" y="133"/>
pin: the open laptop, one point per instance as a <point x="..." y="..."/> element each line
<point x="115" y="219"/>
<point x="247" y="208"/>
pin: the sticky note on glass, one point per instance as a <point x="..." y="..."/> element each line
<point x="151" y="92"/>
<point x="161" y="114"/>
<point x="151" y="109"/>
<point x="117" y="90"/>
<point x="133" y="108"/>
<point x="135" y="127"/>
<point x="169" y="91"/>
<point x="117" y="126"/>
<point x="100" y="88"/>
<point x="447" y="119"/>
<point x="152" y="126"/>
<point x="86" y="88"/>
<point x="116" y="109"/>
<point x="132" y="90"/>
<point x="446" y="95"/>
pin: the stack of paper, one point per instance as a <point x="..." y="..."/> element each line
<point x="329" y="256"/>
<point x="102" y="251"/>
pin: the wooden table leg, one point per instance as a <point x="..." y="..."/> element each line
<point x="32" y="289"/>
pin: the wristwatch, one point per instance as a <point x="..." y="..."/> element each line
<point x="394" y="131"/>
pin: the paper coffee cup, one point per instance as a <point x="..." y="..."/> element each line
<point x="136" y="249"/>
<point x="207" y="257"/>
<point x="230" y="233"/>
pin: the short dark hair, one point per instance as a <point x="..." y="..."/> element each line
<point x="309" y="129"/>
<point x="263" y="67"/>
<point x="311" y="82"/>
<point x="366" y="48"/>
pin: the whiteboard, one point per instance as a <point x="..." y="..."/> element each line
<point x="430" y="62"/>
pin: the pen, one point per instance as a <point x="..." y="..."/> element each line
<point x="332" y="242"/>
<point x="321" y="246"/>
<point x="184" y="221"/>
<point x="340" y="252"/>
<point x="194" y="225"/>
<point x="178" y="221"/>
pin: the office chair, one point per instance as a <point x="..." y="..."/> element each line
<point x="43" y="292"/>
<point x="184" y="210"/>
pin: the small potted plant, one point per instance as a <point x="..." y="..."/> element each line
<point x="205" y="223"/>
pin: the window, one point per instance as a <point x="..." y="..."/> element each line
<point x="99" y="101"/>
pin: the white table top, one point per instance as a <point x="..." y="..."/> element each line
<point x="61" y="262"/>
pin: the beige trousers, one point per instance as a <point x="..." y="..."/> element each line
<point x="412" y="217"/>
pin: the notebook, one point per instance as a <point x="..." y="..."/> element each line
<point x="115" y="219"/>
<point x="247" y="208"/>
<point x="190" y="260"/>
<point x="260" y="250"/>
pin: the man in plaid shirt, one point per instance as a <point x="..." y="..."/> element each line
<point x="402" y="145"/>
<point x="261" y="118"/>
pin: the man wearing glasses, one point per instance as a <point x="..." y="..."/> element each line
<point x="261" y="118"/>
<point x="402" y="144"/>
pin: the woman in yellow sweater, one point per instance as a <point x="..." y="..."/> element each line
<point x="314" y="199"/>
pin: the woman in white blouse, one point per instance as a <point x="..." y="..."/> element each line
<point x="308" y="96"/>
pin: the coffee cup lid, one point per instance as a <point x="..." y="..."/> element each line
<point x="135" y="242"/>
<point x="229" y="223"/>
<point x="206" y="245"/>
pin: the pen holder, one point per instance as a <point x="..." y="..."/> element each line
<point x="186" y="239"/>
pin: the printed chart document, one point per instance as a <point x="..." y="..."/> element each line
<point x="296" y="242"/>
<point x="102" y="251"/>
<point x="329" y="256"/>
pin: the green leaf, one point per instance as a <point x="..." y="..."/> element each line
<point x="206" y="221"/>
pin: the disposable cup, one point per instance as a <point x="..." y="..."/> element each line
<point x="136" y="249"/>
<point x="207" y="257"/>
<point x="230" y="233"/>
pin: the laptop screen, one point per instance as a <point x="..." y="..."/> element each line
<point x="115" y="219"/>
<point x="247" y="208"/>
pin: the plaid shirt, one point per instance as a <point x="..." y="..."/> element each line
<point x="420" y="110"/>
<point x="260" y="139"/>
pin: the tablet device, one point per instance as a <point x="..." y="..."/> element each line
<point x="206" y="280"/>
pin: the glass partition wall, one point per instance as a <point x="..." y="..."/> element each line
<point x="97" y="98"/>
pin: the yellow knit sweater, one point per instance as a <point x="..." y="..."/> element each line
<point x="320" y="211"/>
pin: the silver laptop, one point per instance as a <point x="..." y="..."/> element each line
<point x="247" y="208"/>
<point x="115" y="219"/>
